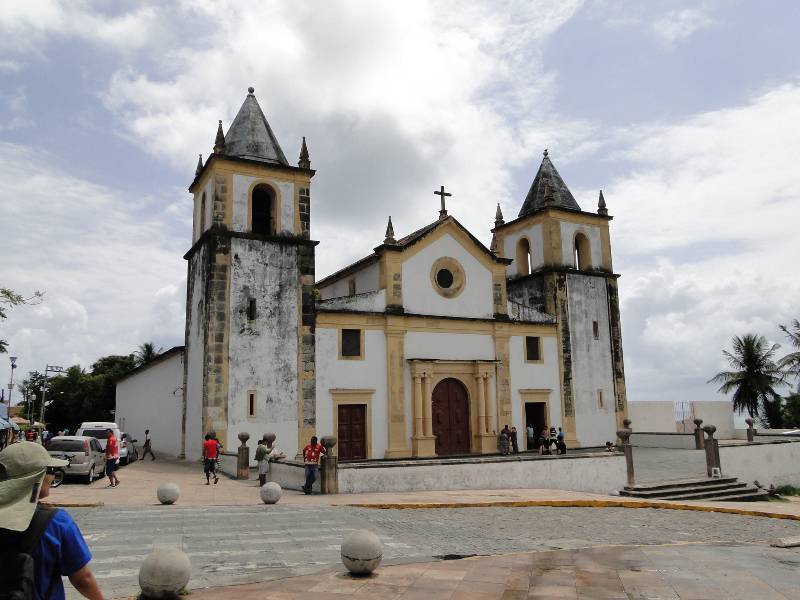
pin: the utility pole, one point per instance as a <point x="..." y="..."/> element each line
<point x="48" y="369"/>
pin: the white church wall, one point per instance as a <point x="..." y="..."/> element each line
<point x="592" y="233"/>
<point x="449" y="346"/>
<point x="653" y="416"/>
<point x="591" y="360"/>
<point x="366" y="281"/>
<point x="534" y="376"/>
<point x="419" y="295"/>
<point x="263" y="352"/>
<point x="241" y="191"/>
<point x="534" y="236"/>
<point x="369" y="373"/>
<point x="152" y="399"/>
<point x="195" y="355"/>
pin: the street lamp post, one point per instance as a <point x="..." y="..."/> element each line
<point x="13" y="360"/>
<point x="48" y="369"/>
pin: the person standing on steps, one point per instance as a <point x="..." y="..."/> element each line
<point x="146" y="449"/>
<point x="210" y="455"/>
<point x="311" y="456"/>
<point x="49" y="536"/>
<point x="262" y="458"/>
<point x="514" y="441"/>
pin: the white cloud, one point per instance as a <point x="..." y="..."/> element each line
<point x="705" y="237"/>
<point x="16" y="114"/>
<point x="104" y="259"/>
<point x="677" y="25"/>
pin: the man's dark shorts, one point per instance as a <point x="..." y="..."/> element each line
<point x="111" y="466"/>
<point x="210" y="465"/>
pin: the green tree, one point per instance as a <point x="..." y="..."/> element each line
<point x="146" y="353"/>
<point x="31" y="391"/>
<point x="791" y="411"/>
<point x="791" y="362"/>
<point x="753" y="375"/>
<point x="9" y="299"/>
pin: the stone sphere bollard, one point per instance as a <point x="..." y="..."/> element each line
<point x="329" y="441"/>
<point x="164" y="573"/>
<point x="269" y="438"/>
<point x="270" y="492"/>
<point x="168" y="493"/>
<point x="243" y="437"/>
<point x="362" y="552"/>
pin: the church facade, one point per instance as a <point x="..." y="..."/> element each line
<point x="427" y="346"/>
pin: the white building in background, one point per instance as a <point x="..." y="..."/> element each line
<point x="151" y="397"/>
<point x="426" y="346"/>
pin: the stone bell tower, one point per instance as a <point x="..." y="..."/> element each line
<point x="249" y="362"/>
<point x="562" y="265"/>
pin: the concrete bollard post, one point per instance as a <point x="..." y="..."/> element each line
<point x="243" y="459"/>
<point x="329" y="476"/>
<point x="751" y="432"/>
<point x="627" y="449"/>
<point x="698" y="434"/>
<point x="712" y="450"/>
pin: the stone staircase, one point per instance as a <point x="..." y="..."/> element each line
<point x="704" y="488"/>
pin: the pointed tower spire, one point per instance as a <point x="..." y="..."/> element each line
<point x="250" y="135"/>
<point x="219" y="141"/>
<point x="601" y="205"/>
<point x="493" y="245"/>
<point x="548" y="189"/>
<point x="389" y="239"/>
<point x="199" y="165"/>
<point x="305" y="161"/>
<point x="498" y="216"/>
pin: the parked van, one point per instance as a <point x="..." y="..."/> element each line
<point x="97" y="429"/>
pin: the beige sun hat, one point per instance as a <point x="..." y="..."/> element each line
<point x="22" y="468"/>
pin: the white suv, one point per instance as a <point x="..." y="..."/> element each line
<point x="98" y="429"/>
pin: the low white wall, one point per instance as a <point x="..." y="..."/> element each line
<point x="651" y="416"/>
<point x="663" y="440"/>
<point x="598" y="474"/>
<point x="716" y="413"/>
<point x="291" y="475"/>
<point x="771" y="463"/>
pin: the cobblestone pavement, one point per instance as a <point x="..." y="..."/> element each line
<point x="247" y="544"/>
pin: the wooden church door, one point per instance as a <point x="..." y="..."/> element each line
<point x="450" y="412"/>
<point x="352" y="431"/>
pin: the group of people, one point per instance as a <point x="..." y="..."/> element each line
<point x="546" y="442"/>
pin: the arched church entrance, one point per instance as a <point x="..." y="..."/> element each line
<point x="450" y="413"/>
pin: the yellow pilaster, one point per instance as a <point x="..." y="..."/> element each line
<point x="398" y="444"/>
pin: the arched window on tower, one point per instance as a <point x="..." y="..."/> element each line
<point x="523" y="257"/>
<point x="262" y="210"/>
<point x="202" y="219"/>
<point x="583" y="254"/>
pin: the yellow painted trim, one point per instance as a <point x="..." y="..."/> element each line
<point x="361" y="340"/>
<point x="253" y="170"/>
<point x="584" y="503"/>
<point x="538" y="361"/>
<point x="433" y="324"/>
<point x="459" y="277"/>
<point x="353" y="396"/>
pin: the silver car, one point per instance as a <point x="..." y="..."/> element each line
<point x="86" y="458"/>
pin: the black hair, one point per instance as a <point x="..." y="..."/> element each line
<point x="208" y="436"/>
<point x="313" y="439"/>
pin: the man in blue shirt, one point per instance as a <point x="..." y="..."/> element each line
<point x="26" y="472"/>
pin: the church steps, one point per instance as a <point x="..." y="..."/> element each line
<point x="727" y="489"/>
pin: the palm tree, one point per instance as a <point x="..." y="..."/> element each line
<point x="791" y="362"/>
<point x="146" y="353"/>
<point x="754" y="374"/>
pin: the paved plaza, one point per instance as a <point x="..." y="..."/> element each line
<point x="237" y="545"/>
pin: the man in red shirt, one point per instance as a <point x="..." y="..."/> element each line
<point x="112" y="456"/>
<point x="311" y="456"/>
<point x="210" y="454"/>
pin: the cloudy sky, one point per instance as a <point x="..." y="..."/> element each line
<point x="686" y="114"/>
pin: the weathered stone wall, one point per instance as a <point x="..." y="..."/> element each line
<point x="592" y="369"/>
<point x="264" y="351"/>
